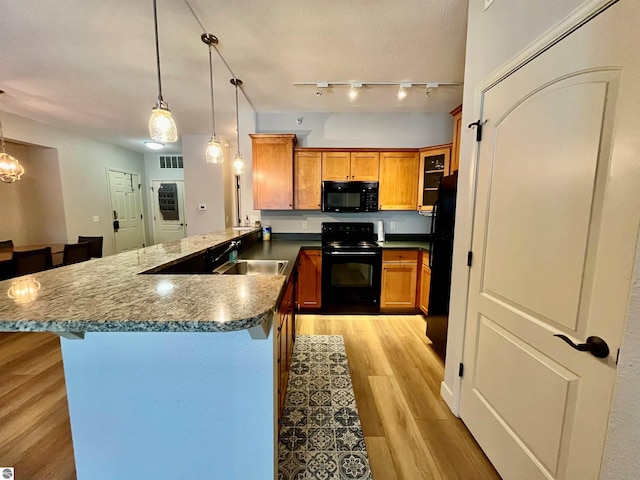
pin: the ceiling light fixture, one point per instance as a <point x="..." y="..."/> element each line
<point x="319" y="88"/>
<point x="214" y="152"/>
<point x="162" y="127"/>
<point x="402" y="91"/>
<point x="238" y="161"/>
<point x="430" y="88"/>
<point x="10" y="168"/>
<point x="154" y="145"/>
<point x="353" y="90"/>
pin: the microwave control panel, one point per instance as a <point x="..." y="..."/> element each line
<point x="371" y="201"/>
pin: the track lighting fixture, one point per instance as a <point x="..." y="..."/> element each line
<point x="213" y="153"/>
<point x="162" y="127"/>
<point x="10" y="168"/>
<point x="402" y="90"/>
<point x="238" y="161"/>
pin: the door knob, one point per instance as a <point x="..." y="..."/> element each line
<point x="596" y="346"/>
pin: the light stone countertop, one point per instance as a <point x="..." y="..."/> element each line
<point x="108" y="295"/>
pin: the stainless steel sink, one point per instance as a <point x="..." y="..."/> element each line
<point x="253" y="267"/>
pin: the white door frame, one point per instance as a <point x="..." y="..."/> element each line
<point x="142" y="209"/>
<point x="465" y="214"/>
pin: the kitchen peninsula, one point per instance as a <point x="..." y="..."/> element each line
<point x="162" y="376"/>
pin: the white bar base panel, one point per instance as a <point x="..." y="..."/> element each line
<point x="171" y="405"/>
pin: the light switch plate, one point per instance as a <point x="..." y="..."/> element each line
<point x="96" y="218"/>
<point x="487" y="3"/>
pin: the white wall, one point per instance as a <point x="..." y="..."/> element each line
<point x="83" y="174"/>
<point x="33" y="211"/>
<point x="203" y="184"/>
<point x="340" y="130"/>
<point x="493" y="38"/>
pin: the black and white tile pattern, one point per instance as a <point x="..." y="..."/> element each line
<point x="320" y="436"/>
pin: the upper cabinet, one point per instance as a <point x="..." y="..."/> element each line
<point x="434" y="164"/>
<point x="307" y="182"/>
<point x="455" y="149"/>
<point x="347" y="166"/>
<point x="273" y="171"/>
<point x="398" y="180"/>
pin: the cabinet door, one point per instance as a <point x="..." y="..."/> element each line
<point x="336" y="166"/>
<point x="425" y="286"/>
<point x="273" y="171"/>
<point x="365" y="166"/>
<point x="399" y="282"/>
<point x="307" y="180"/>
<point x="398" y="180"/>
<point x="434" y="164"/>
<point x="310" y="279"/>
<point x="455" y="149"/>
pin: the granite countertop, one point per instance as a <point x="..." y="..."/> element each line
<point x="108" y="295"/>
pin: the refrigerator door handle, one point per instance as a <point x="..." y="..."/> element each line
<point x="433" y="223"/>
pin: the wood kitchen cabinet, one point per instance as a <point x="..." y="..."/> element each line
<point x="347" y="166"/>
<point x="273" y="171"/>
<point x="399" y="280"/>
<point x="285" y="336"/>
<point x="309" y="292"/>
<point x="434" y="164"/>
<point x="307" y="183"/>
<point x="398" y="180"/>
<point x="457" y="130"/>
<point x="425" y="283"/>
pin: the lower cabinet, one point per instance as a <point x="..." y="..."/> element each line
<point x="399" y="280"/>
<point x="309" y="294"/>
<point x="425" y="283"/>
<point x="285" y="336"/>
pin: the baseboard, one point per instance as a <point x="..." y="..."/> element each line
<point x="447" y="396"/>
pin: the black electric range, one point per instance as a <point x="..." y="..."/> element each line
<point x="351" y="268"/>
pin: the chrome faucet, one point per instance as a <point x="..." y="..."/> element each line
<point x="233" y="245"/>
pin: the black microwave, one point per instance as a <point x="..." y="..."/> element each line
<point x="349" y="196"/>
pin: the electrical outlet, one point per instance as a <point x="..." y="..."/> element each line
<point x="392" y="225"/>
<point x="487" y="3"/>
<point x="305" y="224"/>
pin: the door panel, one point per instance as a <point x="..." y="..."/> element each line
<point x="554" y="238"/>
<point x="126" y="203"/>
<point x="168" y="219"/>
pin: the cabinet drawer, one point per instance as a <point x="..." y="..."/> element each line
<point x="400" y="256"/>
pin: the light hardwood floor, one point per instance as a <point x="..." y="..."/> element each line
<point x="409" y="431"/>
<point x="35" y="435"/>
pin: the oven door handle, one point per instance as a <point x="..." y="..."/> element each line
<point x="353" y="253"/>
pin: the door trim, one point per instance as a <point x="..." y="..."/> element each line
<point x="456" y="331"/>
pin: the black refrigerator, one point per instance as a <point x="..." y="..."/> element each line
<point x="440" y="260"/>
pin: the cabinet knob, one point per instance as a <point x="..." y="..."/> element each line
<point x="347" y="177"/>
<point x="291" y="205"/>
<point x="351" y="176"/>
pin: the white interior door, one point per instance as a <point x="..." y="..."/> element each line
<point x="555" y="229"/>
<point x="126" y="204"/>
<point x="168" y="210"/>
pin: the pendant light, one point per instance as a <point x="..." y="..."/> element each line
<point x="162" y="128"/>
<point x="10" y="168"/>
<point x="213" y="154"/>
<point x="238" y="161"/>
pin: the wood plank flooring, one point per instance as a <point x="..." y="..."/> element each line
<point x="35" y="434"/>
<point x="410" y="432"/>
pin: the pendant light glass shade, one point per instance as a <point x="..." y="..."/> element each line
<point x="238" y="164"/>
<point x="214" y="151"/>
<point x="162" y="128"/>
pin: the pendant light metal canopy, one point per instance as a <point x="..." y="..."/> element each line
<point x="214" y="153"/>
<point x="162" y="127"/>
<point x="238" y="162"/>
<point x="10" y="168"/>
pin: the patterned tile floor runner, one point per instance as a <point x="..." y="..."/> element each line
<point x="321" y="436"/>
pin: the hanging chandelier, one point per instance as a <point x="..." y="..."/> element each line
<point x="10" y="168"/>
<point x="238" y="161"/>
<point x="162" y="128"/>
<point x="213" y="153"/>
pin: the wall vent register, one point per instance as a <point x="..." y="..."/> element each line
<point x="170" y="161"/>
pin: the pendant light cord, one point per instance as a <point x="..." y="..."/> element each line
<point x="155" y="23"/>
<point x="1" y="136"/>
<point x="237" y="118"/>
<point x="213" y="115"/>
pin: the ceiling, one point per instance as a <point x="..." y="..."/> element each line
<point x="89" y="65"/>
